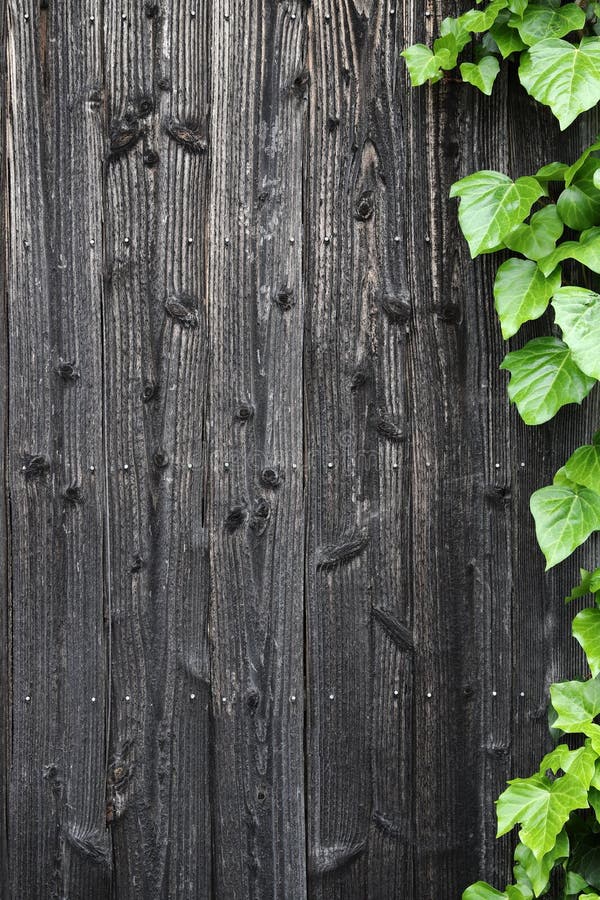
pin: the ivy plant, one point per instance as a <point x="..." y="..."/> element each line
<point x="548" y="225"/>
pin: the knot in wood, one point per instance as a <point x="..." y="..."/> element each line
<point x="284" y="298"/>
<point x="188" y="134"/>
<point x="235" y="517"/>
<point x="182" y="310"/>
<point x="137" y="563"/>
<point x="359" y="378"/>
<point x="151" y="9"/>
<point x="161" y="458"/>
<point x="149" y="391"/>
<point x="364" y="206"/>
<point x="260" y="515"/>
<point x="301" y="83"/>
<point x="150" y="158"/>
<point x="74" y="494"/>
<point x="397" y="308"/>
<point x="35" y="466"/>
<point x="244" y="412"/>
<point x="124" y="135"/>
<point x="67" y="371"/>
<point x="271" y="476"/>
<point x="145" y="106"/>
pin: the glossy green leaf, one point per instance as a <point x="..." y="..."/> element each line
<point x="579" y="203"/>
<point x="544" y="377"/>
<point x="586" y="630"/>
<point x="522" y="293"/>
<point x="564" y="519"/>
<point x="422" y="64"/>
<point x="586" y="251"/>
<point x="540" y="22"/>
<point x="577" y="313"/>
<point x="554" y="171"/>
<point x="445" y="51"/>
<point x="541" y="807"/>
<point x="478" y="20"/>
<point x="482" y="891"/>
<point x="563" y="76"/>
<point x="539" y="237"/>
<point x="583" y="466"/>
<point x="492" y="206"/>
<point x="482" y="74"/>
<point x="573" y="169"/>
<point x="453" y="27"/>
<point x="538" y="870"/>
<point x="518" y="7"/>
<point x="507" y="39"/>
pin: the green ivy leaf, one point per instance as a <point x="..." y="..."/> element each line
<point x="539" y="237"/>
<point x="586" y="251"/>
<point x="507" y="39"/>
<point x="579" y="203"/>
<point x="589" y="584"/>
<point x="422" y="64"/>
<point x="544" y="378"/>
<point x="565" y="516"/>
<point x="541" y="807"/>
<point x="460" y="34"/>
<point x="586" y="630"/>
<point x="482" y="74"/>
<point x="577" y="313"/>
<point x="554" y="171"/>
<point x="540" y="22"/>
<point x="445" y="50"/>
<point x="492" y="206"/>
<point x="522" y="293"/>
<point x="562" y="76"/>
<point x="478" y="20"/>
<point x="538" y="870"/>
<point x="518" y="7"/>
<point x="583" y="466"/>
<point x="482" y="891"/>
<point x="577" y="703"/>
<point x="573" y="169"/>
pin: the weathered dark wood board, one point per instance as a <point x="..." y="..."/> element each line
<point x="273" y="621"/>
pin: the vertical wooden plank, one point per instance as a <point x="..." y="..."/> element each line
<point x="57" y="836"/>
<point x="348" y="422"/>
<point x="155" y="375"/>
<point x="461" y="522"/>
<point x="255" y="307"/>
<point x="4" y="533"/>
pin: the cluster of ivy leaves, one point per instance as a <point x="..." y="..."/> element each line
<point x="555" y="263"/>
<point x="556" y="46"/>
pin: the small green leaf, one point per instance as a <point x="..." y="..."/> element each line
<point x="422" y="64"/>
<point x="589" y="584"/>
<point x="577" y="313"/>
<point x="460" y="34"/>
<point x="579" y="203"/>
<point x="492" y="206"/>
<point x="521" y="293"/>
<point x="586" y="251"/>
<point x="583" y="466"/>
<point x="507" y="39"/>
<point x="538" y="870"/>
<point x="544" y="378"/>
<point x="518" y="7"/>
<point x="562" y="76"/>
<point x="554" y="171"/>
<point x="446" y="50"/>
<point x="581" y="160"/>
<point x="541" y="22"/>
<point x="482" y="891"/>
<point x="586" y="630"/>
<point x="482" y="74"/>
<point x="577" y="703"/>
<point x="542" y="807"/>
<point x="478" y="20"/>
<point x="538" y="239"/>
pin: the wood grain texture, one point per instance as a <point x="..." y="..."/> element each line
<point x="155" y="388"/>
<point x="55" y="436"/>
<point x="275" y="621"/>
<point x="255" y="308"/>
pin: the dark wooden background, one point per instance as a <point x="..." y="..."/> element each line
<point x="274" y="622"/>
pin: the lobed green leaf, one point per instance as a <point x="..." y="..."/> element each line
<point x="522" y="292"/>
<point x="577" y="313"/>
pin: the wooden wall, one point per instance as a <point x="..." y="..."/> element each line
<point x="274" y="624"/>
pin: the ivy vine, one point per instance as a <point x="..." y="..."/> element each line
<point x="557" y="49"/>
